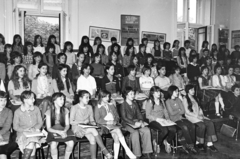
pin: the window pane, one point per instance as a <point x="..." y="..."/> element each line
<point x="193" y="11"/>
<point x="53" y="5"/>
<point x="180" y="10"/>
<point x="28" y="4"/>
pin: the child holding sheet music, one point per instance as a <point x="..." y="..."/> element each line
<point x="57" y="122"/>
<point x="156" y="112"/>
<point x="106" y="114"/>
<point x="132" y="120"/>
<point x="82" y="113"/>
<point x="27" y="119"/>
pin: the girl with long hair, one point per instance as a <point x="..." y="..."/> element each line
<point x="106" y="114"/>
<point x="96" y="43"/>
<point x="58" y="124"/>
<point x="130" y="44"/>
<point x="129" y="52"/>
<point x="182" y="60"/>
<point x="68" y="50"/>
<point x="175" y="48"/>
<point x="50" y="57"/>
<point x="156" y="50"/>
<point x="17" y="43"/>
<point x="38" y="45"/>
<point x="98" y="69"/>
<point x="101" y="51"/>
<point x="117" y="50"/>
<point x="16" y="59"/>
<point x="53" y="40"/>
<point x="85" y="41"/>
<point x="2" y="43"/>
<point x="28" y="54"/>
<point x="156" y="113"/>
<point x="19" y="82"/>
<point x="194" y="114"/>
<point x="33" y="68"/>
<point x="82" y="113"/>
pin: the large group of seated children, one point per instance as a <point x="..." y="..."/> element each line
<point x="95" y="91"/>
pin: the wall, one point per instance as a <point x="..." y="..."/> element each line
<point x="157" y="16"/>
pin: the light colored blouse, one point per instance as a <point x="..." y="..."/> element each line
<point x="162" y="82"/>
<point x="39" y="48"/>
<point x="146" y="83"/>
<point x="88" y="84"/>
<point x="66" y="92"/>
<point x="218" y="81"/>
<point x="177" y="81"/>
<point x="32" y="71"/>
<point x="17" y="92"/>
<point x="71" y="59"/>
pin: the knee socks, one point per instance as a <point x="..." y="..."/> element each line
<point x="116" y="147"/>
<point x="127" y="149"/>
<point x="68" y="152"/>
<point x="93" y="151"/>
<point x="217" y="107"/>
<point x="54" y="153"/>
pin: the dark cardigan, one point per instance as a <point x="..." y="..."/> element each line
<point x="193" y="71"/>
<point x="106" y="81"/>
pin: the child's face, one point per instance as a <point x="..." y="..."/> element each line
<point x="81" y="57"/>
<point x="69" y="48"/>
<point x="157" y="43"/>
<point x="191" y="91"/>
<point x="195" y="60"/>
<point x="59" y="101"/>
<point x="105" y="99"/>
<point x="135" y="60"/>
<point x="85" y="40"/>
<point x="221" y="62"/>
<point x="131" y="50"/>
<point x="147" y="73"/>
<point x="130" y="42"/>
<point x="157" y="94"/>
<point x="143" y="49"/>
<point x="62" y="59"/>
<point x="145" y="42"/>
<point x="43" y="70"/>
<point x="9" y="49"/>
<point x="63" y="72"/>
<point x="38" y="59"/>
<point x="29" y="48"/>
<point x="98" y="42"/>
<point x="133" y="72"/>
<point x="219" y="70"/>
<point x="97" y="59"/>
<point x="85" y="49"/>
<point x="87" y="71"/>
<point x="3" y="102"/>
<point x="85" y="99"/>
<point x="205" y="53"/>
<point x="167" y="47"/>
<point x="229" y="61"/>
<point x="113" y="42"/>
<point x="215" y="53"/>
<point x="230" y="71"/>
<point x="115" y="49"/>
<point x="101" y="50"/>
<point x="131" y="95"/>
<point x="187" y="45"/>
<point x="110" y="71"/>
<point x="149" y="60"/>
<point x="21" y="72"/>
<point x="53" y="40"/>
<point x="30" y="101"/>
<point x="182" y="52"/>
<point x="39" y="40"/>
<point x="209" y="61"/>
<point x="51" y="50"/>
<point x="177" y="44"/>
<point x="114" y="57"/>
<point x="17" y="40"/>
<point x="17" y="60"/>
<point x="205" y="71"/>
<point x="237" y="92"/>
<point x="162" y="71"/>
<point x="237" y="70"/>
<point x="175" y="93"/>
<point x="177" y="71"/>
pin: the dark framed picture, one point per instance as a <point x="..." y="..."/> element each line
<point x="154" y="36"/>
<point x="104" y="33"/>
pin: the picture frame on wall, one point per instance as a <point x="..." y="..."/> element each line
<point x="104" y="33"/>
<point x="152" y="36"/>
<point x="235" y="38"/>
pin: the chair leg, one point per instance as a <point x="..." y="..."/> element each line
<point x="42" y="152"/>
<point x="104" y="142"/>
<point x="20" y="155"/>
<point x="237" y="130"/>
<point x="47" y="151"/>
<point x="79" y="149"/>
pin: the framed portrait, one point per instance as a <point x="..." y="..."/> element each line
<point x="235" y="38"/>
<point x="154" y="36"/>
<point x="104" y="33"/>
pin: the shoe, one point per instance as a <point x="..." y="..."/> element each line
<point x="109" y="156"/>
<point x="185" y="150"/>
<point x="200" y="147"/>
<point x="212" y="148"/>
<point x="193" y="150"/>
<point x="167" y="146"/>
<point x="218" y="115"/>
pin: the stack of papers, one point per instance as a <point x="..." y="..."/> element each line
<point x="87" y="126"/>
<point x="111" y="127"/>
<point x="166" y="123"/>
<point x="33" y="134"/>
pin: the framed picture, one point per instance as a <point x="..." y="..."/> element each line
<point x="104" y="33"/>
<point x="130" y="28"/>
<point x="154" y="36"/>
<point x="235" y="38"/>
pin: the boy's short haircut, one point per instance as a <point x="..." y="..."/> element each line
<point x="234" y="87"/>
<point x="113" y="39"/>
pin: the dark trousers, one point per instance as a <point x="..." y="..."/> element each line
<point x="167" y="132"/>
<point x="205" y="127"/>
<point x="188" y="130"/>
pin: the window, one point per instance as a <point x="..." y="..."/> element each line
<point x="192" y="11"/>
<point x="180" y="10"/>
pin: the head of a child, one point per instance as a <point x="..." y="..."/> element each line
<point x="81" y="57"/>
<point x="205" y="52"/>
<point x="130" y="42"/>
<point x="19" y="72"/>
<point x="27" y="98"/>
<point x="62" y="68"/>
<point x="237" y="69"/>
<point x="182" y="52"/>
<point x="83" y="97"/>
<point x="8" y="48"/>
<point x="177" y="70"/>
<point x="236" y="90"/>
<point x="113" y="40"/>
<point x="187" y="44"/>
<point x="208" y="61"/>
<point x="109" y="69"/>
<point x="150" y="59"/>
<point x="97" y="41"/>
<point x="193" y="58"/>
<point x="58" y="100"/>
<point x="37" y="58"/>
<point x="145" y="41"/>
<point x="166" y="46"/>
<point x="68" y="46"/>
<point x="97" y="58"/>
<point x="176" y="43"/>
<point x="50" y="48"/>
<point x="129" y="93"/>
<point x="16" y="58"/>
<point x="142" y="48"/>
<point x="173" y="91"/>
<point x="28" y="47"/>
<point x="114" y="57"/>
<point x="43" y="69"/>
<point x="3" y="100"/>
<point x="230" y="70"/>
<point x="132" y="70"/>
<point x="85" y="48"/>
<point x="214" y="46"/>
<point x="236" y="47"/>
<point x="115" y="48"/>
<point x="103" y="96"/>
<point x="161" y="70"/>
<point x="205" y="44"/>
<point x="146" y="71"/>
<point x="155" y="93"/>
<point x="86" y="69"/>
<point x="62" y="58"/>
<point x="217" y="69"/>
<point x="135" y="60"/>
<point x="221" y="61"/>
<point x="101" y="49"/>
<point x="37" y="41"/>
<point x="190" y="90"/>
<point x="204" y="70"/>
<point x="229" y="61"/>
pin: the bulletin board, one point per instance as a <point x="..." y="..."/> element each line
<point x="130" y="28"/>
<point x="235" y="38"/>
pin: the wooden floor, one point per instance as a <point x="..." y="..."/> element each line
<point x="228" y="147"/>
